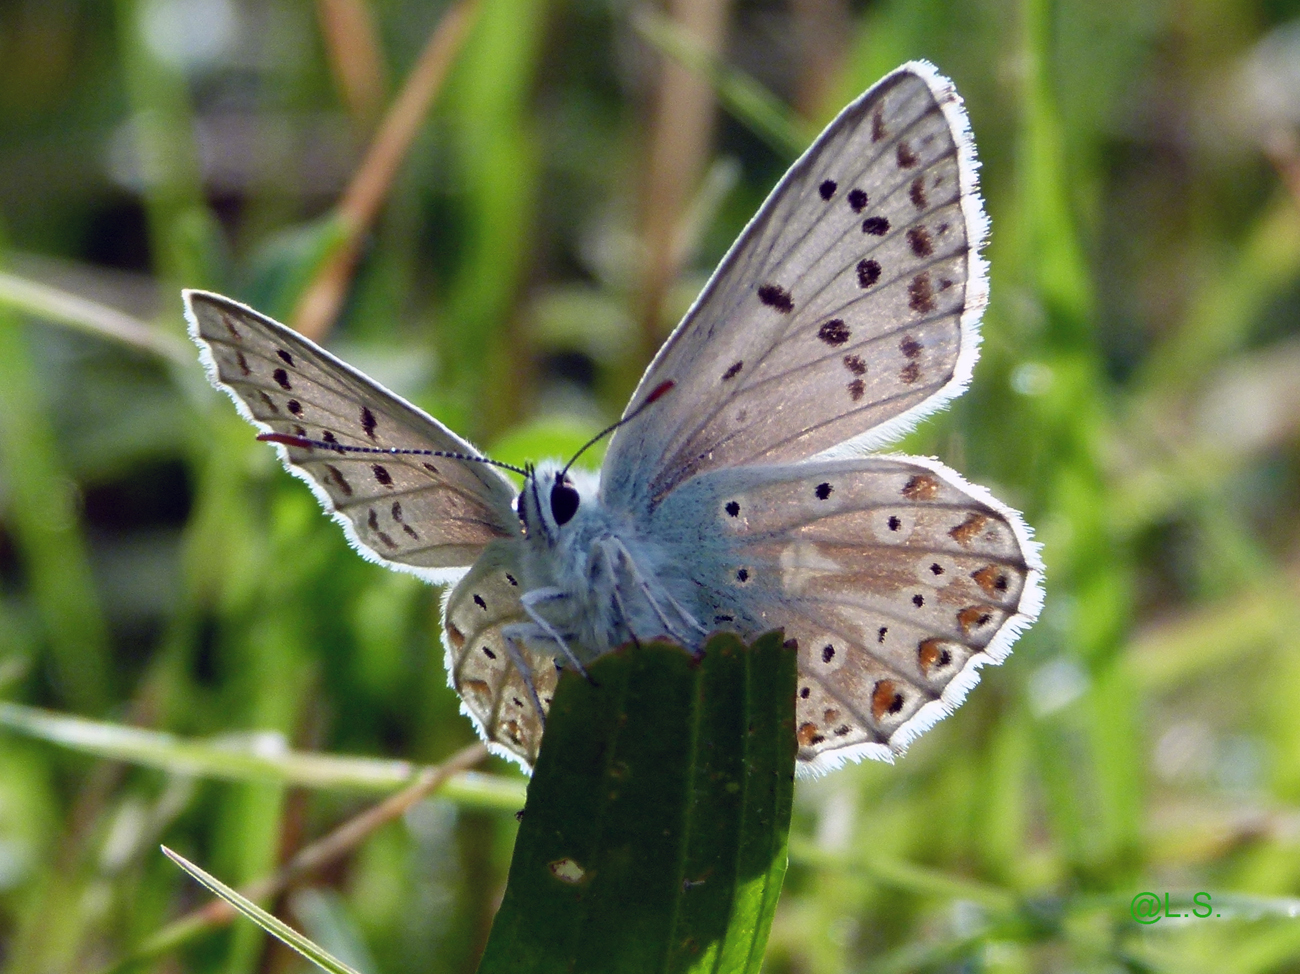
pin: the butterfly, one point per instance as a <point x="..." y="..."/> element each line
<point x="738" y="492"/>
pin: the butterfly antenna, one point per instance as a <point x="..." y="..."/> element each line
<point x="655" y="394"/>
<point x="303" y="443"/>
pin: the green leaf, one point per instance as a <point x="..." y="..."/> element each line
<point x="654" y="836"/>
<point x="281" y="931"/>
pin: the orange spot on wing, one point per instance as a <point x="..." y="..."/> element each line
<point x="808" y="735"/>
<point x="992" y="579"/>
<point x="456" y="636"/>
<point x="922" y="487"/>
<point x="969" y="529"/>
<point x="974" y="617"/>
<point x="885" y="699"/>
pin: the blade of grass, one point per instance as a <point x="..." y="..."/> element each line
<point x="309" y="859"/>
<point x="281" y="931"/>
<point x="743" y="96"/>
<point x="247" y="759"/>
<point x="42" y="515"/>
<point x="64" y="308"/>
<point x="320" y="302"/>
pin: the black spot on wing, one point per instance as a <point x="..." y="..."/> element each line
<point x="269" y="402"/>
<point x="909" y="373"/>
<point x="906" y="157"/>
<point x="857" y="389"/>
<point x="281" y="378"/>
<point x="775" y="296"/>
<point x="877" y="226"/>
<point x="827" y="189"/>
<point x="834" y="332"/>
<point x="909" y="346"/>
<point x="368" y="421"/>
<point x="294" y="406"/>
<point x="878" y="125"/>
<point x="823" y="491"/>
<point x="243" y="363"/>
<point x="828" y="653"/>
<point x="917" y="193"/>
<point x="918" y="238"/>
<point x="920" y="293"/>
<point x="732" y="371"/>
<point x="285" y="357"/>
<point x="855" y="365"/>
<point x="478" y="600"/>
<point x="372" y="519"/>
<point x="339" y="480"/>
<point x="382" y="475"/>
<point x="858" y="200"/>
<point x="868" y="273"/>
<point x="733" y="509"/>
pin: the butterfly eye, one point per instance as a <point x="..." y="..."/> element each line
<point x="564" y="502"/>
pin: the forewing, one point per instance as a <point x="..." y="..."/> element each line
<point x="898" y="579"/>
<point x="428" y="515"/>
<point x="479" y="664"/>
<point x="846" y="310"/>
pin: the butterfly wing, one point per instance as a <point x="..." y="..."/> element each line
<point x="846" y="310"/>
<point x="898" y="579"/>
<point x="479" y="664"/>
<point x="428" y="515"/>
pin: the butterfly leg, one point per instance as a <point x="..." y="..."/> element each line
<point x="614" y="548"/>
<point x="512" y="639"/>
<point x="529" y="600"/>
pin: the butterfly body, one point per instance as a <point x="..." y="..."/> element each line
<point x="737" y="493"/>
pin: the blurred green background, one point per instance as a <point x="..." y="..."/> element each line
<point x="556" y="209"/>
